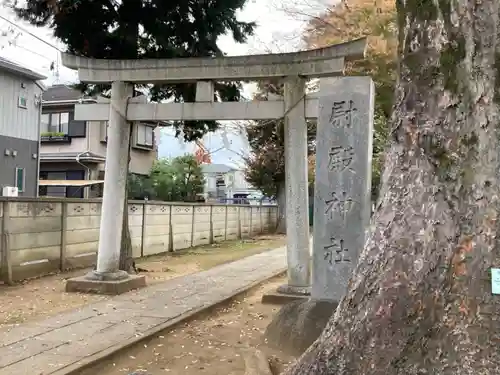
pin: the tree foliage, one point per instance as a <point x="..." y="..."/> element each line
<point x="130" y="29"/>
<point x="352" y="19"/>
<point x="179" y="179"/>
<point x="139" y="187"/>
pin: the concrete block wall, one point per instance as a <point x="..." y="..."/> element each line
<point x="157" y="229"/>
<point x="80" y="235"/>
<point x="39" y="236"/>
<point x="202" y="226"/>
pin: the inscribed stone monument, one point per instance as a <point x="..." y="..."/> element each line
<point x="343" y="182"/>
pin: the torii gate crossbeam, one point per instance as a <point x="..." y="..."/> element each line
<point x="322" y="62"/>
<point x="199" y="110"/>
<point x="295" y="107"/>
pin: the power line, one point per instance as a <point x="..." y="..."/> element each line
<point x="29" y="33"/>
<point x="33" y="52"/>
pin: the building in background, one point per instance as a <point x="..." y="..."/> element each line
<point x="73" y="153"/>
<point x="21" y="95"/>
<point x="226" y="184"/>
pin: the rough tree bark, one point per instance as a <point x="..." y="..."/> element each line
<point x="129" y="34"/>
<point x="281" y="224"/>
<point x="420" y="300"/>
<point x="126" y="256"/>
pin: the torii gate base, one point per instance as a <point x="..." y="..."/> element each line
<point x="123" y="110"/>
<point x="99" y="285"/>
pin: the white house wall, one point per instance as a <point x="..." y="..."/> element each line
<point x="76" y="145"/>
<point x="141" y="161"/>
<point x="19" y="133"/>
<point x="14" y="121"/>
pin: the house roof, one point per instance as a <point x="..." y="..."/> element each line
<point x="19" y="70"/>
<point x="216" y="168"/>
<point x="72" y="156"/>
<point x="62" y="93"/>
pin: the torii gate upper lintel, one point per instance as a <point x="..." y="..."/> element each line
<point x="322" y="62"/>
<point x="295" y="68"/>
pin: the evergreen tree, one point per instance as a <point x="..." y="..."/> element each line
<point x="131" y="29"/>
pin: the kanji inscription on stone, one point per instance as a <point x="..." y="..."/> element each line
<point x="340" y="158"/>
<point x="338" y="203"/>
<point x="342" y="187"/>
<point x="344" y="114"/>
<point x="336" y="252"/>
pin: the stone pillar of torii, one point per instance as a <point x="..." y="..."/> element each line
<point x="122" y="110"/>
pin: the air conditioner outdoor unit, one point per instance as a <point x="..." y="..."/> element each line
<point x="10" y="191"/>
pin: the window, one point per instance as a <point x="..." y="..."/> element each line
<point x="59" y="122"/>
<point x="145" y="135"/>
<point x="20" y="179"/>
<point x="77" y="129"/>
<point x="45" y="123"/>
<point x="22" y="102"/>
<point x="55" y="122"/>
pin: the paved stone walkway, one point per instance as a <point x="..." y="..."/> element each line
<point x="63" y="343"/>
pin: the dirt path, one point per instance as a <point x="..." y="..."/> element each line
<point x="211" y="344"/>
<point x="43" y="297"/>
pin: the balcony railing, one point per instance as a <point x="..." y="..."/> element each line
<point x="55" y="138"/>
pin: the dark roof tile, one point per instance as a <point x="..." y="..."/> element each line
<point x="62" y="92"/>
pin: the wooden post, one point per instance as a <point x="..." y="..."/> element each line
<point x="239" y="223"/>
<point x="143" y="229"/>
<point x="192" y="226"/>
<point x="64" y="234"/>
<point x="211" y="234"/>
<point x="6" y="271"/>
<point x="225" y="226"/>
<point x="171" y="231"/>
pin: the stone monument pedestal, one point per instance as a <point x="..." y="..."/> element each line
<point x="295" y="290"/>
<point x="298" y="324"/>
<point x="112" y="283"/>
<point x="286" y="294"/>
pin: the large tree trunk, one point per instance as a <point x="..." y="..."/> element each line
<point x="126" y="257"/>
<point x="129" y="33"/>
<point x="420" y="299"/>
<point x="281" y="224"/>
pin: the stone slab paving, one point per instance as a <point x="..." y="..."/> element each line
<point x="63" y="343"/>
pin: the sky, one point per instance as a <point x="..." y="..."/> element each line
<point x="278" y="30"/>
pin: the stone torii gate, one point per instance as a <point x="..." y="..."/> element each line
<point x="295" y="107"/>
